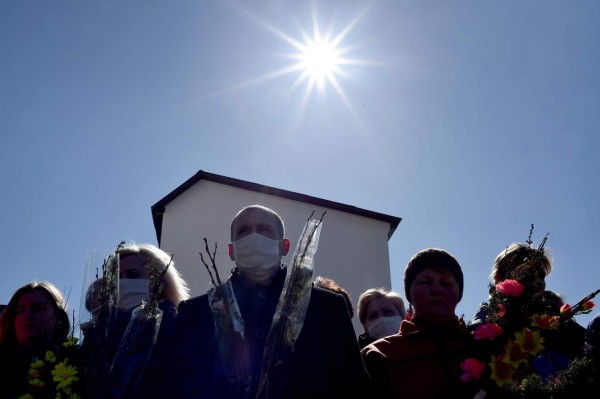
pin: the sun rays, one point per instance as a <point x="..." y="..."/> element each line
<point x="318" y="59"/>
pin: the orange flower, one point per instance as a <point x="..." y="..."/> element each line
<point x="566" y="310"/>
<point x="545" y="322"/>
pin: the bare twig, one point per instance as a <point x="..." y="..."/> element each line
<point x="212" y="261"/>
<point x="529" y="240"/>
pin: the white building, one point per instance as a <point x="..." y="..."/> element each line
<point x="353" y="247"/>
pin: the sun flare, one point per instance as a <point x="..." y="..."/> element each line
<point x="320" y="59"/>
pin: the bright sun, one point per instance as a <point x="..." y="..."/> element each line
<point x="320" y="60"/>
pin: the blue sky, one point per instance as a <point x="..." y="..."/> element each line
<point x="470" y="120"/>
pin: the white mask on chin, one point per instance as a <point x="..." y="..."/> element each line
<point x="384" y="326"/>
<point x="132" y="291"/>
<point x="257" y="257"/>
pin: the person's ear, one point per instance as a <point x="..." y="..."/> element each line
<point x="230" y="250"/>
<point x="286" y="246"/>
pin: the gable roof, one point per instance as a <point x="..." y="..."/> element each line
<point x="158" y="209"/>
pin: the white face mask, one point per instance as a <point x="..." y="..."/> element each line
<point x="132" y="291"/>
<point x="256" y="256"/>
<point x="384" y="326"/>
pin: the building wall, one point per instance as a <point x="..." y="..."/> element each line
<point x="353" y="250"/>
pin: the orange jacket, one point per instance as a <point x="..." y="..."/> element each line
<point x="419" y="361"/>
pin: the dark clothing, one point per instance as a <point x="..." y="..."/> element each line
<point x="99" y="357"/>
<point x="592" y="338"/>
<point x="365" y="339"/>
<point x="420" y="361"/>
<point x="14" y="371"/>
<point x="325" y="363"/>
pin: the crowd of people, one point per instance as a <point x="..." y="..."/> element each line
<point x="271" y="331"/>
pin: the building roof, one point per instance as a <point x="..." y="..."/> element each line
<point x="158" y="209"/>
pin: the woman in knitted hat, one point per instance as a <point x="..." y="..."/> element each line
<point x="423" y="359"/>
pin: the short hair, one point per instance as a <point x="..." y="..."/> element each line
<point x="93" y="289"/>
<point x="175" y="288"/>
<point x="329" y="284"/>
<point x="432" y="258"/>
<point x="518" y="255"/>
<point x="374" y="293"/>
<point x="7" y="318"/>
<point x="278" y="220"/>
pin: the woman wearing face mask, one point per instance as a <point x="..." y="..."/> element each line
<point x="34" y="321"/>
<point x="380" y="311"/>
<point x="119" y="366"/>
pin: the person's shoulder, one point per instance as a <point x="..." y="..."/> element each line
<point x="324" y="293"/>
<point x="383" y="345"/>
<point x="325" y="297"/>
<point x="594" y="324"/>
<point x="193" y="304"/>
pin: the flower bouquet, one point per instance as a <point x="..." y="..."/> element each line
<point x="524" y="349"/>
<point x="56" y="374"/>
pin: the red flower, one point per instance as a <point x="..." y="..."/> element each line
<point x="510" y="287"/>
<point x="488" y="331"/>
<point x="473" y="369"/>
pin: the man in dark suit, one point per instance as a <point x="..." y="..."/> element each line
<point x="211" y="361"/>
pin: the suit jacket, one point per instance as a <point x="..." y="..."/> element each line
<point x="325" y="363"/>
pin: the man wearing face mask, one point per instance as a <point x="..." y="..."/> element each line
<point x="325" y="361"/>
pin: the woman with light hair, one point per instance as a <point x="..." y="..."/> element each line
<point x="135" y="307"/>
<point x="380" y="312"/>
<point x="136" y="261"/>
<point x="518" y="259"/>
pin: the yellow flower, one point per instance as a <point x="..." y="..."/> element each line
<point x="36" y="382"/>
<point x="70" y="342"/>
<point x="502" y="372"/>
<point x="64" y="374"/>
<point x="37" y="364"/>
<point x="530" y="341"/>
<point x="515" y="354"/>
<point x="50" y="357"/>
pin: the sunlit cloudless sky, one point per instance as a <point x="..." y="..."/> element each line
<point x="469" y="120"/>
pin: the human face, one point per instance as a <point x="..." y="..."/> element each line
<point x="434" y="294"/>
<point x="380" y="307"/>
<point x="35" y="317"/>
<point x="257" y="221"/>
<point x="132" y="266"/>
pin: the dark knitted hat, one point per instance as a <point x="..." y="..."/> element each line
<point x="431" y="258"/>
